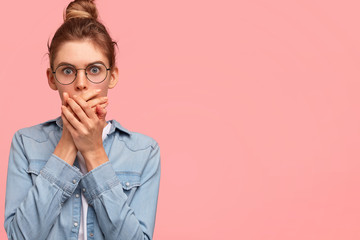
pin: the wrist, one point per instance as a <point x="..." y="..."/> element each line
<point x="95" y="158"/>
<point x="66" y="151"/>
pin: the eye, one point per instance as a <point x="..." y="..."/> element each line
<point x="67" y="71"/>
<point x="94" y="70"/>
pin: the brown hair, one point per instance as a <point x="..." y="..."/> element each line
<point x="81" y="23"/>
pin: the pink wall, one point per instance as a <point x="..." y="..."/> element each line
<point x="255" y="105"/>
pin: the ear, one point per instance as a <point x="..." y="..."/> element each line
<point x="51" y="79"/>
<point x="114" y="77"/>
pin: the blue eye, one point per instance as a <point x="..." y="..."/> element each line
<point x="68" y="71"/>
<point x="94" y="69"/>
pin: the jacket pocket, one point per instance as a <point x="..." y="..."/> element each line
<point x="130" y="181"/>
<point x="34" y="168"/>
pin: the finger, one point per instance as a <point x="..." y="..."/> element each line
<point x="86" y="108"/>
<point x="66" y="124"/>
<point x="101" y="112"/>
<point x="104" y="105"/>
<point x="90" y="94"/>
<point x="78" y="110"/>
<point x="96" y="101"/>
<point x="65" y="97"/>
<point x="71" y="119"/>
<point x="101" y="105"/>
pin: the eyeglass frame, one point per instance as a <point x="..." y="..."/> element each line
<point x="68" y="64"/>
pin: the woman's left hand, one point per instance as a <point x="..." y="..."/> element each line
<point x="86" y="130"/>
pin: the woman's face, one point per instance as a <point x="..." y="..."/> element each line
<point x="80" y="54"/>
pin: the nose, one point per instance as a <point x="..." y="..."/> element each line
<point x="81" y="82"/>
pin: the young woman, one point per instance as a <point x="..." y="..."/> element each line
<point x="79" y="176"/>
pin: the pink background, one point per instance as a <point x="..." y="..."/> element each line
<point x="255" y="105"/>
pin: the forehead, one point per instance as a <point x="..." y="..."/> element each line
<point x="79" y="53"/>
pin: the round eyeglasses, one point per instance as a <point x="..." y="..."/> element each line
<point x="66" y="73"/>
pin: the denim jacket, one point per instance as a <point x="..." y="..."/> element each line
<point x="43" y="191"/>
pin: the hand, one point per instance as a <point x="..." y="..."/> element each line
<point x="66" y="148"/>
<point x="91" y="99"/>
<point x="85" y="126"/>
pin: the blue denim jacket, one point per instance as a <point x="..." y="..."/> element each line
<point x="42" y="190"/>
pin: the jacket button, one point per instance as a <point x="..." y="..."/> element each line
<point x="74" y="181"/>
<point x="75" y="224"/>
<point x="91" y="234"/>
<point x="83" y="189"/>
<point x="127" y="184"/>
<point x="77" y="195"/>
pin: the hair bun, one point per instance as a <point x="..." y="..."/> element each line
<point x="81" y="9"/>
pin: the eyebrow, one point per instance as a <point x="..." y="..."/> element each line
<point x="66" y="63"/>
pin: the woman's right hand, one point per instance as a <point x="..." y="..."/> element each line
<point x="66" y="148"/>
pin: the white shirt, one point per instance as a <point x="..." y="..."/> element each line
<point x="84" y="204"/>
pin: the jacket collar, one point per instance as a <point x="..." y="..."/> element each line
<point x="114" y="125"/>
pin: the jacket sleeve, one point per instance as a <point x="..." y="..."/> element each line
<point x="118" y="219"/>
<point x="31" y="208"/>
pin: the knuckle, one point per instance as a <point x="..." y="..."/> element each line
<point x="84" y="132"/>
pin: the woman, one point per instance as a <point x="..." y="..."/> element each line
<point x="79" y="176"/>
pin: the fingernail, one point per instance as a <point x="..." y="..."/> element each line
<point x="98" y="90"/>
<point x="74" y="96"/>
